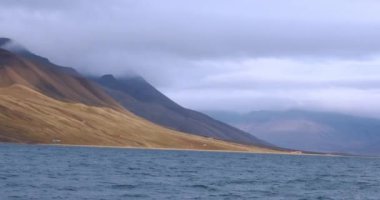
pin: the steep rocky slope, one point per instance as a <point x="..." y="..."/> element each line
<point x="41" y="103"/>
<point x="50" y="81"/>
<point x="141" y="98"/>
<point x="28" y="116"/>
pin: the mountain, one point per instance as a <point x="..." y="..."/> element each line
<point x="141" y="98"/>
<point x="310" y="131"/>
<point x="16" y="48"/>
<point x="51" y="81"/>
<point x="41" y="102"/>
<point x="4" y="41"/>
<point x="28" y="116"/>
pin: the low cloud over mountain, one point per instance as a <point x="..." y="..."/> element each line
<point x="321" y="55"/>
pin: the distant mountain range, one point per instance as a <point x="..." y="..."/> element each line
<point x="311" y="131"/>
<point x="41" y="102"/>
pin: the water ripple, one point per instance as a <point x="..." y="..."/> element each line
<point x="41" y="172"/>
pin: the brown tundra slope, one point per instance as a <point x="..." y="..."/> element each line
<point x="51" y="81"/>
<point x="43" y="104"/>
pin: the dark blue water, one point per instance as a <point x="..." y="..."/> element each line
<point x="45" y="172"/>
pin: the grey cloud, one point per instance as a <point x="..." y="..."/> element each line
<point x="206" y="29"/>
<point x="182" y="45"/>
<point x="272" y="85"/>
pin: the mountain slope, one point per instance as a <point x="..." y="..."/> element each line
<point x="18" y="49"/>
<point x="42" y="104"/>
<point x="50" y="81"/>
<point x="141" y="98"/>
<point x="311" y="131"/>
<point x="28" y="116"/>
<point x="134" y="93"/>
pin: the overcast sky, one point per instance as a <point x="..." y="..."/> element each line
<point x="236" y="55"/>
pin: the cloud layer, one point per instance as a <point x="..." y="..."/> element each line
<point x="217" y="54"/>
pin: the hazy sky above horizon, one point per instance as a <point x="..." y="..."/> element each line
<point x="237" y="55"/>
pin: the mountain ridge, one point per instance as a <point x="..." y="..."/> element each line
<point x="39" y="119"/>
<point x="54" y="83"/>
<point x="50" y="103"/>
<point x="25" y="53"/>
<point x="141" y="98"/>
<point x="310" y="130"/>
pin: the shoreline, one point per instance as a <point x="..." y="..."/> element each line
<point x="296" y="153"/>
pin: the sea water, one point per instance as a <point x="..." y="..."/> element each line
<point x="52" y="172"/>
